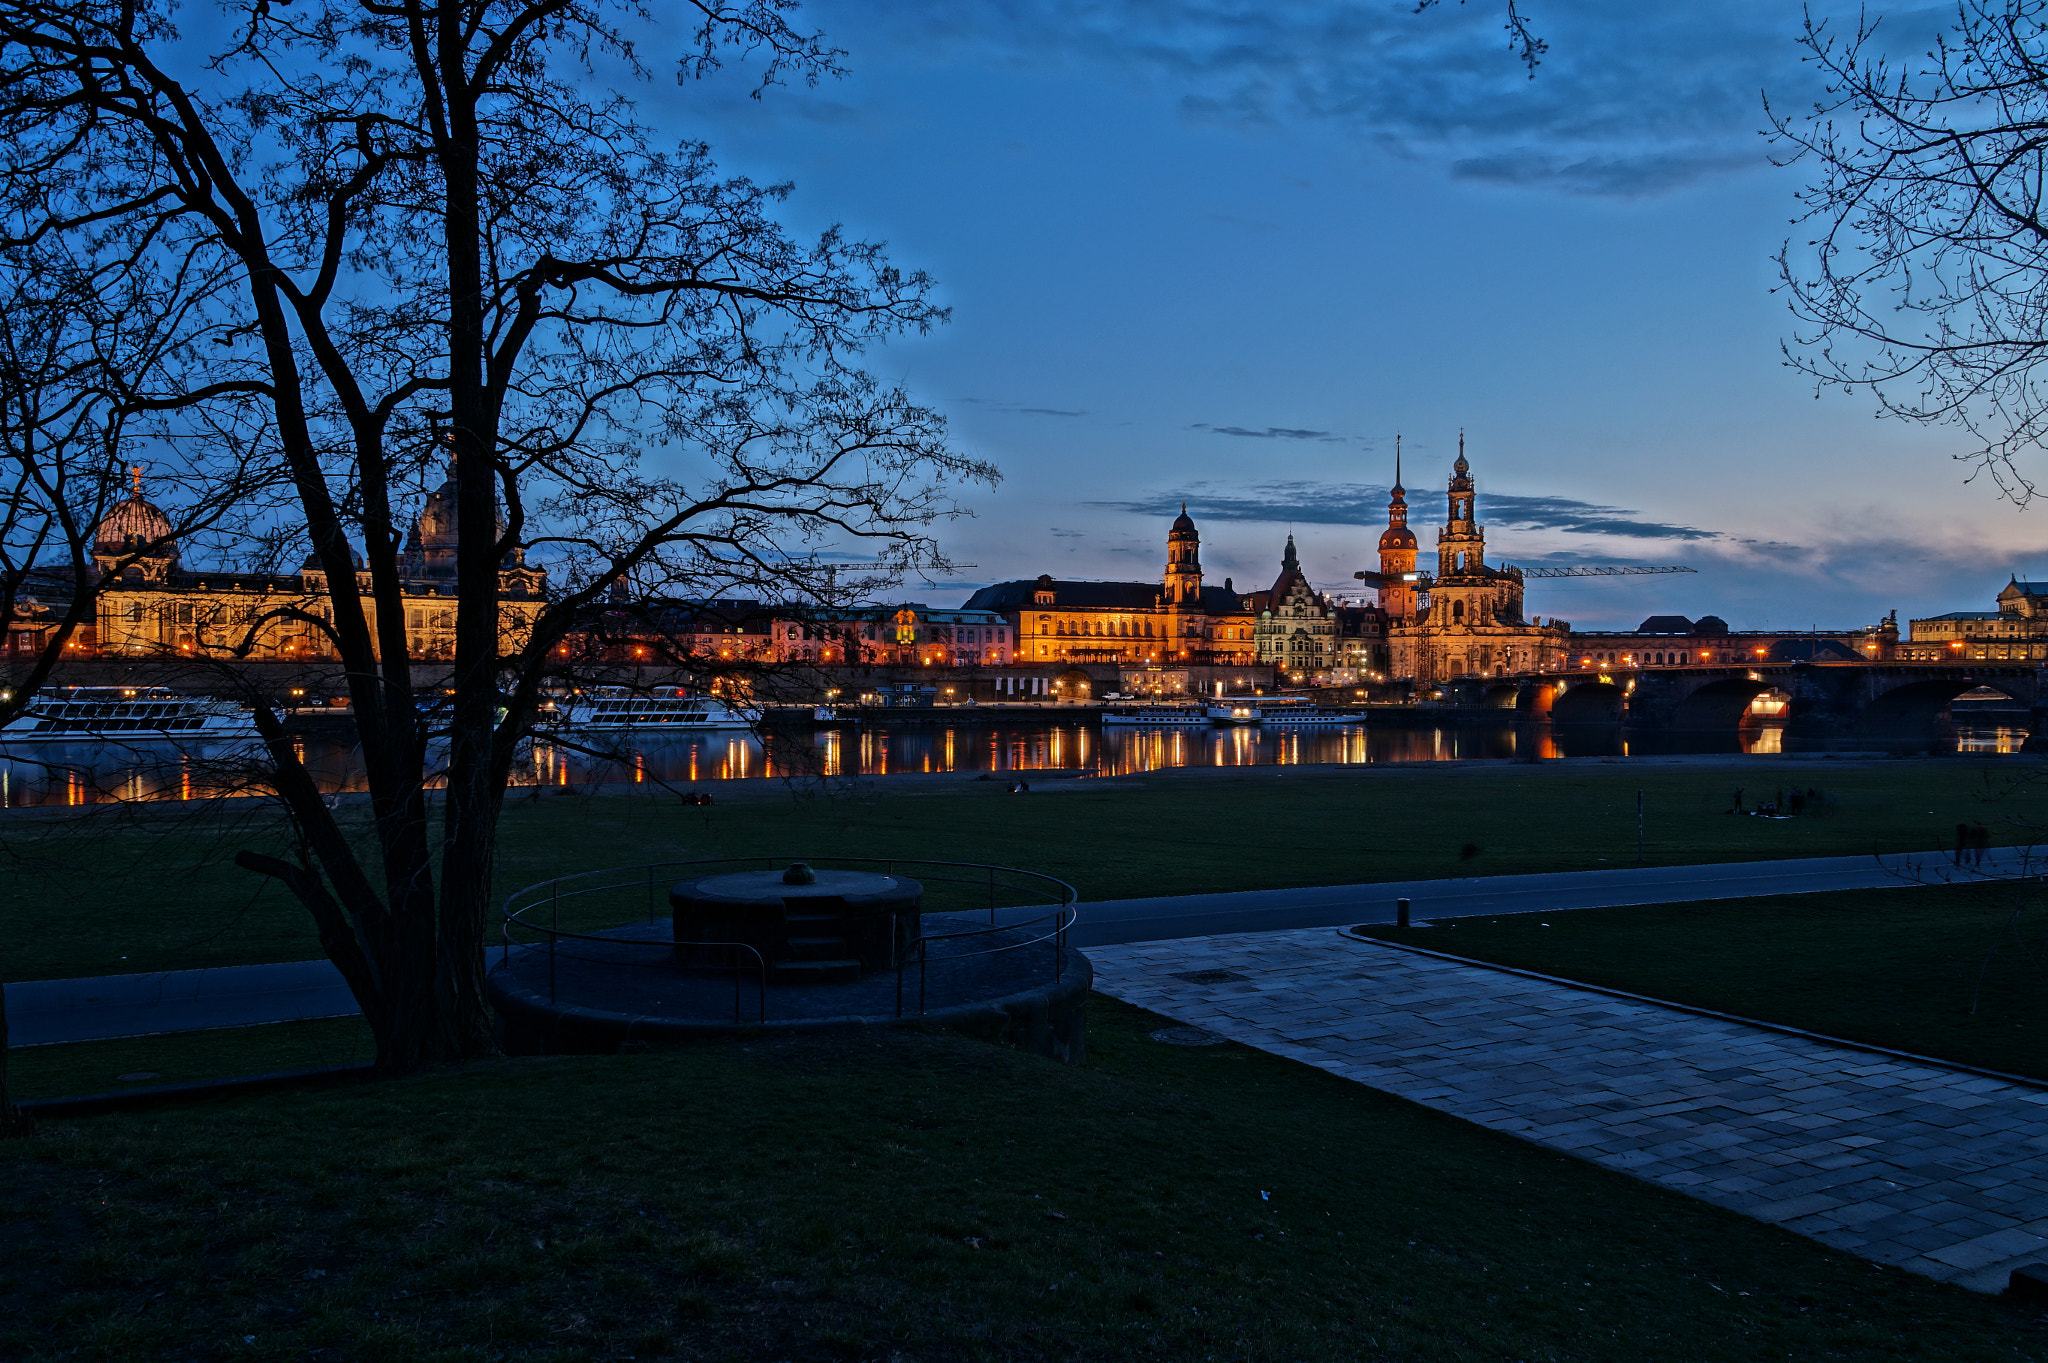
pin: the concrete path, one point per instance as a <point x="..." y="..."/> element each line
<point x="40" y="1012"/>
<point x="1148" y="920"/>
<point x="1935" y="1170"/>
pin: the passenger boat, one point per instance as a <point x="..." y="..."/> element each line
<point x="1166" y="713"/>
<point x="1234" y="712"/>
<point x="663" y="710"/>
<point x="1303" y="715"/>
<point x="124" y="714"/>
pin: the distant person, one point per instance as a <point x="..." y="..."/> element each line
<point x="1738" y="801"/>
<point x="1980" y="843"/>
<point x="1962" y="842"/>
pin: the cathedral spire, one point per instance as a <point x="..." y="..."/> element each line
<point x="1288" y="560"/>
<point x="1399" y="491"/>
<point x="1461" y="466"/>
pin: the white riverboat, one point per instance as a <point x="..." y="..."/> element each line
<point x="662" y="710"/>
<point x="1234" y="712"/>
<point x="1167" y="713"/>
<point x="126" y="714"/>
<point x="1298" y="716"/>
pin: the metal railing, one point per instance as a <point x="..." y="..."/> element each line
<point x="981" y="882"/>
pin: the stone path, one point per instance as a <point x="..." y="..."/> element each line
<point x="1938" y="1171"/>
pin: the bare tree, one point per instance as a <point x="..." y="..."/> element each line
<point x="1925" y="279"/>
<point x="444" y="246"/>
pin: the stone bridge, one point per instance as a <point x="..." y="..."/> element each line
<point x="1893" y="701"/>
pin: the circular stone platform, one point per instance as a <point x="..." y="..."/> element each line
<point x="637" y="984"/>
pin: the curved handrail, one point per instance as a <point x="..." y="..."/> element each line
<point x="1065" y="900"/>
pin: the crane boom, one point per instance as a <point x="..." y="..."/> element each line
<point x="1422" y="581"/>
<point x="1601" y="570"/>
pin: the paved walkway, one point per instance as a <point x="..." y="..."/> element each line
<point x="1146" y="920"/>
<point x="1935" y="1170"/>
<point x="41" y="1012"/>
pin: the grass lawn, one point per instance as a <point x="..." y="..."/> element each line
<point x="1959" y="972"/>
<point x="899" y="1197"/>
<point x="84" y="1067"/>
<point x="153" y="889"/>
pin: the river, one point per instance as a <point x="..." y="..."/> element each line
<point x="79" y="774"/>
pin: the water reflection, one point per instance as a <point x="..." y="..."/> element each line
<point x="88" y="774"/>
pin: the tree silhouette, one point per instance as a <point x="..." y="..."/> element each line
<point x="397" y="233"/>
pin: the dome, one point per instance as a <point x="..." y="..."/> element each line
<point x="1183" y="524"/>
<point x="134" y="526"/>
<point x="312" y="563"/>
<point x="1397" y="537"/>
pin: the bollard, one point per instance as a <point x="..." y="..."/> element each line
<point x="1401" y="913"/>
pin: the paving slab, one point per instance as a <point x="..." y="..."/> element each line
<point x="1938" y="1170"/>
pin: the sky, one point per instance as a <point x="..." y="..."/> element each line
<point x="1223" y="251"/>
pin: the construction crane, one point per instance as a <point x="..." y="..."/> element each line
<point x="1422" y="581"/>
<point x="1601" y="570"/>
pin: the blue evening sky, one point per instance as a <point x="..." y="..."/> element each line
<point x="1221" y="251"/>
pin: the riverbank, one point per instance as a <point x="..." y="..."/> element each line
<point x="152" y="887"/>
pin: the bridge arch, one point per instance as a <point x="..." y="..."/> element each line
<point x="1593" y="702"/>
<point x="1915" y="706"/>
<point x="1720" y="704"/>
<point x="1502" y="695"/>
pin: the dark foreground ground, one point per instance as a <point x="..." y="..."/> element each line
<point x="902" y="1198"/>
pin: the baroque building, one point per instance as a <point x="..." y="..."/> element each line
<point x="1177" y="620"/>
<point x="1310" y="638"/>
<point x="1471" y="624"/>
<point x="154" y="605"/>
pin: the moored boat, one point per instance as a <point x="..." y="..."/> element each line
<point x="662" y="710"/>
<point x="1165" y="713"/>
<point x="1299" y="715"/>
<point x="126" y="714"/>
<point x="1234" y="712"/>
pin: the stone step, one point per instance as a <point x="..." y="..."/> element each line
<point x="818" y="948"/>
<point x="816" y="972"/>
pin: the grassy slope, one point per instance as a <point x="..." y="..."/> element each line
<point x="1957" y="972"/>
<point x="83" y="1067"/>
<point x="904" y="1198"/>
<point x="156" y="891"/>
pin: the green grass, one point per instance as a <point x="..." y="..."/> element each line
<point x="1959" y="972"/>
<point x="83" y="1067"/>
<point x="903" y="1196"/>
<point x="153" y="889"/>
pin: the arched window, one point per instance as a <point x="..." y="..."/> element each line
<point x="1457" y="610"/>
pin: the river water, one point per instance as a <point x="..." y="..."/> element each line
<point x="79" y="774"/>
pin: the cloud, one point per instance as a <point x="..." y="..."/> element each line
<point x="1270" y="433"/>
<point x="1017" y="409"/>
<point x="1059" y="534"/>
<point x="1365" y="505"/>
<point x="1633" y="97"/>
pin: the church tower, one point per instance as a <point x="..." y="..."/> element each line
<point x="1397" y="551"/>
<point x="1461" y="544"/>
<point x="1183" y="563"/>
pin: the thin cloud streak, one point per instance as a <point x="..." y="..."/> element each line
<point x="1365" y="505"/>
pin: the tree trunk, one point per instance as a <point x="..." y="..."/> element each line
<point x="12" y="1123"/>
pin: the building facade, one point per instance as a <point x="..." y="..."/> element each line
<point x="1312" y="639"/>
<point x="150" y="604"/>
<point x="1471" y="623"/>
<point x="2016" y="630"/>
<point x="1177" y="620"/>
